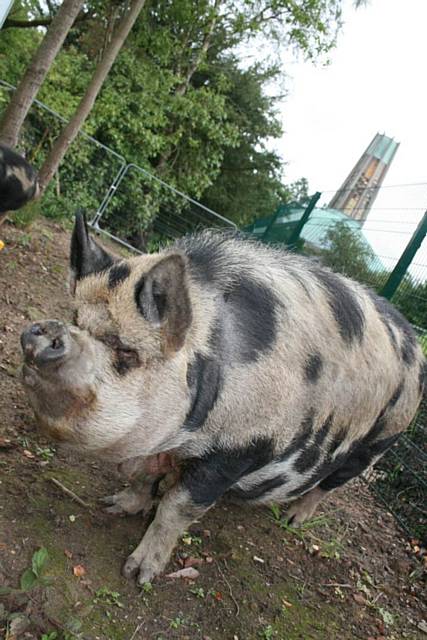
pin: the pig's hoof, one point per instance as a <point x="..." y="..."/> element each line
<point x="130" y="568"/>
<point x="146" y="574"/>
<point x="296" y="516"/>
<point x="127" y="502"/>
<point x="304" y="508"/>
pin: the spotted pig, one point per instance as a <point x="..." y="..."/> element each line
<point x="238" y="369"/>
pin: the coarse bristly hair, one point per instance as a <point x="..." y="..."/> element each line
<point x="266" y="376"/>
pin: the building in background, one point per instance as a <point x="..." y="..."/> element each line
<point x="358" y="192"/>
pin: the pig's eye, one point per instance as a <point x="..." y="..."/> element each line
<point x="124" y="358"/>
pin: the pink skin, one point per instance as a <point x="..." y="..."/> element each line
<point x="160" y="464"/>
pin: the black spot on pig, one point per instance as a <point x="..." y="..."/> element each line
<point x="344" y="306"/>
<point x="313" y="367"/>
<point x="117" y="274"/>
<point x="260" y="489"/>
<point x="391" y="317"/>
<point x="336" y="471"/>
<point x="245" y="328"/>
<point x="311" y="454"/>
<point x="204" y="379"/>
<point x="210" y="476"/>
<point x="301" y="438"/>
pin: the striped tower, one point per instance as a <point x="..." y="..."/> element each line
<point x="358" y="192"/>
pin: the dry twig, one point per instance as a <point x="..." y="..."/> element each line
<point x="230" y="590"/>
<point x="69" y="493"/>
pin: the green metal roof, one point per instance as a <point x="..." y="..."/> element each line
<point x="280" y="226"/>
<point x="383" y="148"/>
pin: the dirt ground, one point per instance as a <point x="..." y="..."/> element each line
<point x="348" y="574"/>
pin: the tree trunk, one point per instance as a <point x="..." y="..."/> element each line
<point x="23" y="97"/>
<point x="71" y="130"/>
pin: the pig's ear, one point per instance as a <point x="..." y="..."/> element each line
<point x="86" y="256"/>
<point x="162" y="298"/>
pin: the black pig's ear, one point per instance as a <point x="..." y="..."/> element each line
<point x="163" y="299"/>
<point x="86" y="256"/>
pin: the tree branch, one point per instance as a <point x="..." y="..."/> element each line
<point x="38" y="22"/>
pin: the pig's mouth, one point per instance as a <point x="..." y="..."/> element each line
<point x="46" y="343"/>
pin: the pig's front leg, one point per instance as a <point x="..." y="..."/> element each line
<point x="175" y="513"/>
<point x="202" y="482"/>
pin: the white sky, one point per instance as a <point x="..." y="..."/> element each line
<point x="376" y="82"/>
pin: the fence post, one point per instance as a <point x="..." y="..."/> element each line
<point x="272" y="222"/>
<point x="305" y="216"/>
<point x="399" y="271"/>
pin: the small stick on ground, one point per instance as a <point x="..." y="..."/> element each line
<point x="337" y="584"/>
<point x="69" y="493"/>
<point x="229" y="588"/>
<point x="136" y="631"/>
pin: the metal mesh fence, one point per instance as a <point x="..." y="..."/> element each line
<point x="148" y="212"/>
<point x="124" y="201"/>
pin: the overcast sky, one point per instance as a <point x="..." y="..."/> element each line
<point x="376" y="82"/>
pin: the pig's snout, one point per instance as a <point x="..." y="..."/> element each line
<point x="45" y="342"/>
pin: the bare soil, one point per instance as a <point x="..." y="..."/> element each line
<point x="349" y="574"/>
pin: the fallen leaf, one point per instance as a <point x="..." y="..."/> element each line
<point x="188" y="572"/>
<point x="79" y="570"/>
<point x="257" y="559"/>
<point x="359" y="598"/>
<point x="28" y="454"/>
<point x="286" y="603"/>
<point x="68" y="553"/>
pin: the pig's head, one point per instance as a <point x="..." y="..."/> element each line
<point x="115" y="381"/>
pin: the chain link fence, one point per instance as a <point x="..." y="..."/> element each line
<point x="123" y="200"/>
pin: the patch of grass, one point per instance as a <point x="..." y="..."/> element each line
<point x="302" y="530"/>
<point x="177" y="622"/>
<point x="106" y="596"/>
<point x="267" y="633"/>
<point x="26" y="216"/>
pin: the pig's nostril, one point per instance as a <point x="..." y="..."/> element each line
<point x="56" y="343"/>
<point x="36" y="330"/>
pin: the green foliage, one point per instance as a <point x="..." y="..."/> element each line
<point x="177" y="102"/>
<point x="347" y="253"/>
<point x="25" y="216"/>
<point x="33" y="576"/>
<point x="105" y="596"/>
